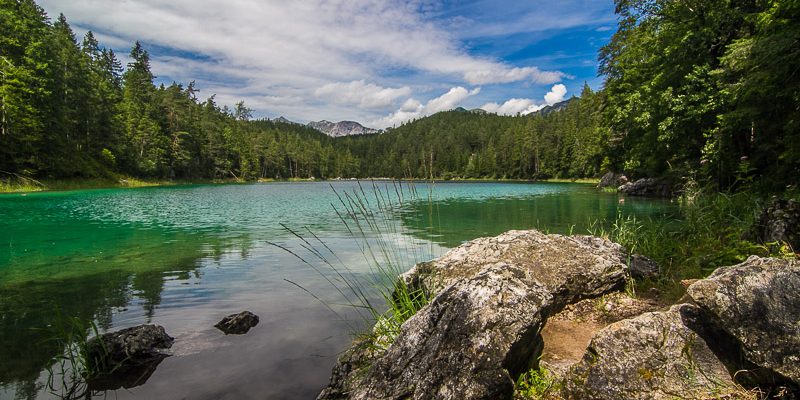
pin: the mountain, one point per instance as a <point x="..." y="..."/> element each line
<point x="284" y="120"/>
<point x="341" y="128"/>
<point x="555" y="107"/>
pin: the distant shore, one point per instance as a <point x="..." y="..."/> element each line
<point x="48" y="185"/>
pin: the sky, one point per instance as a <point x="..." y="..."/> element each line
<point x="378" y="62"/>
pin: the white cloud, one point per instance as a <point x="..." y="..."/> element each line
<point x="526" y="106"/>
<point x="511" y="107"/>
<point x="412" y="108"/>
<point x="297" y="49"/>
<point x="556" y="94"/>
<point x="507" y="75"/>
<point x="360" y="93"/>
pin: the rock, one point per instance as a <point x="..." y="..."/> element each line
<point x="612" y="179"/>
<point x="648" y="187"/>
<point x="482" y="328"/>
<point x="653" y="356"/>
<point x="358" y="356"/>
<point x="237" y="324"/>
<point x="555" y="260"/>
<point x="757" y="302"/>
<point x="607" y="309"/>
<point x="126" y="358"/>
<point x="642" y="267"/>
<point x="780" y="222"/>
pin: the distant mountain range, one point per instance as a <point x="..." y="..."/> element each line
<point x="349" y="128"/>
<point x="335" y="129"/>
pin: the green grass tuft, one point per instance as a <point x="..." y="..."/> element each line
<point x="537" y="384"/>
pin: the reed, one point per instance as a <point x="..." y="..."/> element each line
<point x="380" y="298"/>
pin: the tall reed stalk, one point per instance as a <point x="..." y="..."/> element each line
<point x="370" y="215"/>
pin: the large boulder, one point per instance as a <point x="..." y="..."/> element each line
<point x="556" y="260"/>
<point x="482" y="328"/>
<point x="780" y="222"/>
<point x="758" y="303"/>
<point x="612" y="179"/>
<point x="657" y="355"/>
<point x="649" y="187"/>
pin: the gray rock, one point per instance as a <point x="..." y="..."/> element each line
<point x="482" y="328"/>
<point x="642" y="267"/>
<point x="758" y="303"/>
<point x="135" y="346"/>
<point x="780" y="222"/>
<point x="237" y="324"/>
<point x="648" y="187"/>
<point x="653" y="356"/>
<point x="556" y="261"/>
<point x="612" y="179"/>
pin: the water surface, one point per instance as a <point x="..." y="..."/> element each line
<point x="184" y="257"/>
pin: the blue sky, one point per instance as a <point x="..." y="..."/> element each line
<point x="380" y="62"/>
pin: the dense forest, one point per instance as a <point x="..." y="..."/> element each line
<point x="72" y="110"/>
<point x="706" y="89"/>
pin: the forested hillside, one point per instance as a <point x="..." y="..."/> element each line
<point x="72" y="110"/>
<point x="461" y="144"/>
<point x="706" y="89"/>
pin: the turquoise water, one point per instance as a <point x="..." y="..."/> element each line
<point x="186" y="256"/>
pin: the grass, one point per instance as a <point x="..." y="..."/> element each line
<point x="537" y="384"/>
<point x="380" y="298"/>
<point x="69" y="373"/>
<point x="711" y="230"/>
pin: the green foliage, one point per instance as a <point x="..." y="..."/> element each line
<point x="711" y="230"/>
<point x="537" y="384"/>
<point x="702" y="87"/>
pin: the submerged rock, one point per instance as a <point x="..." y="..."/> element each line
<point x="648" y="187"/>
<point x="758" y="303"/>
<point x="612" y="179"/>
<point x="653" y="356"/>
<point x="237" y="324"/>
<point x="482" y="328"/>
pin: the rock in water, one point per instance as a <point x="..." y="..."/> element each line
<point x="653" y="356"/>
<point x="482" y="328"/>
<point x="648" y="187"/>
<point x="237" y="324"/>
<point x="758" y="303"/>
<point x="126" y="358"/>
<point x="131" y="345"/>
<point x="612" y="179"/>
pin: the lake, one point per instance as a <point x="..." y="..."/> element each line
<point x="186" y="256"/>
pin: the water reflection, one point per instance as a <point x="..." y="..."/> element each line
<point x="455" y="221"/>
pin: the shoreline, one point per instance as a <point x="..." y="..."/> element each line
<point x="124" y="182"/>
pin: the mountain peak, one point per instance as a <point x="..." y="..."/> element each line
<point x="341" y="128"/>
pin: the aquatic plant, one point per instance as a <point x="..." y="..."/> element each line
<point x="69" y="372"/>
